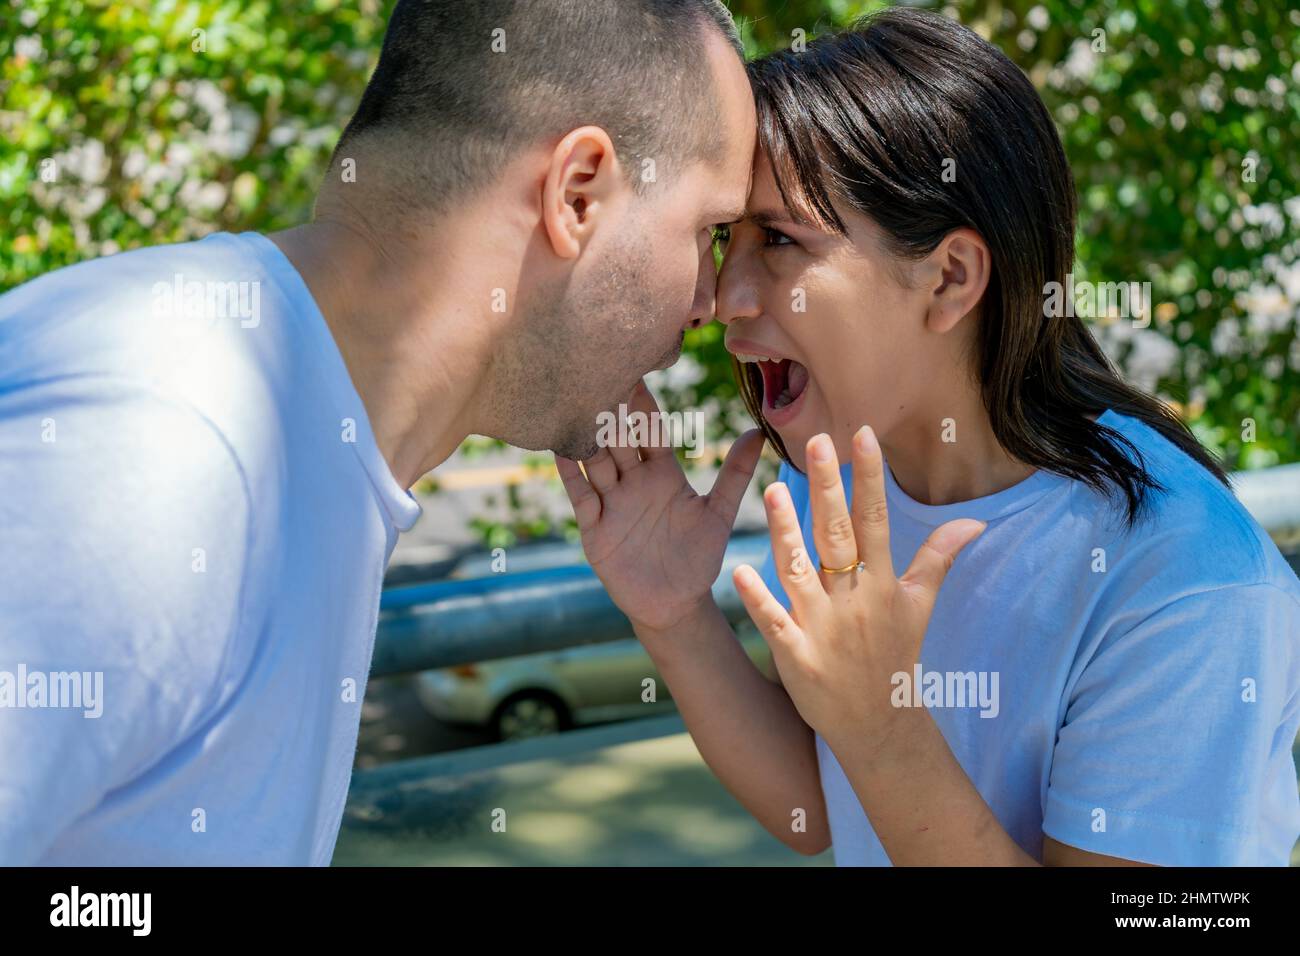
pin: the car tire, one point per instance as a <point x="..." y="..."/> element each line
<point x="529" y="714"/>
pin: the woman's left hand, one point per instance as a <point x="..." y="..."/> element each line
<point x="848" y="633"/>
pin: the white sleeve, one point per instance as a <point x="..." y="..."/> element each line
<point x="126" y="523"/>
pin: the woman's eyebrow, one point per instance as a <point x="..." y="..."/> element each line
<point x="772" y="217"/>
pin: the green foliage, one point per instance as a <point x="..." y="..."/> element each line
<point x="164" y="120"/>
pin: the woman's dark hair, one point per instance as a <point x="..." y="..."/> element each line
<point x="868" y="118"/>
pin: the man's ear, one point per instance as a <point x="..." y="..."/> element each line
<point x="582" y="178"/>
<point x="958" y="272"/>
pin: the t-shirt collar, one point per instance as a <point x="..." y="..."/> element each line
<point x="997" y="505"/>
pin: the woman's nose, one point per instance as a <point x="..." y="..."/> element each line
<point x="737" y="294"/>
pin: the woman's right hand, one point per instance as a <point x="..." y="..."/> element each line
<point x="655" y="544"/>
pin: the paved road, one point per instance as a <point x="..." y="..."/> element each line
<point x="649" y="802"/>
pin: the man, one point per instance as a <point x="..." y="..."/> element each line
<point x="205" y="449"/>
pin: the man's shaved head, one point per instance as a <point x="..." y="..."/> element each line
<point x="563" y="164"/>
<point x="463" y="86"/>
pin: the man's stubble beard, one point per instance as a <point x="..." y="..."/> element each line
<point x="574" y="354"/>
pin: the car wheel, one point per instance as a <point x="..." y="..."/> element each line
<point x="529" y="715"/>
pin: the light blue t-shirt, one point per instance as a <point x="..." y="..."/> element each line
<point x="1130" y="693"/>
<point x="194" y="523"/>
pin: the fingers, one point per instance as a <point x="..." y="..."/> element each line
<point x="737" y="470"/>
<point x="870" y="513"/>
<point x="601" y="471"/>
<point x="644" y="401"/>
<point x="934" y="559"/>
<point x="771" y="619"/>
<point x="832" y="526"/>
<point x="628" y="457"/>
<point x="800" y="579"/>
<point x="586" y="503"/>
<point x="625" y="457"/>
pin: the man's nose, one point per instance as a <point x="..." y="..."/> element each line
<point x="705" y="290"/>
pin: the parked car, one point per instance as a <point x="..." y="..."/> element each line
<point x="546" y="693"/>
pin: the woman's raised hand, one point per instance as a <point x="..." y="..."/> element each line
<point x="849" y="629"/>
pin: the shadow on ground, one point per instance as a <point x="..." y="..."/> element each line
<point x="650" y="802"/>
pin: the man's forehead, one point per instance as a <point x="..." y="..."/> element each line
<point x="726" y="213"/>
<point x="731" y="191"/>
<point x="736" y="131"/>
<point x="733" y="198"/>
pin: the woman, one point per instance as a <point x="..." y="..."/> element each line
<point x="1093" y="656"/>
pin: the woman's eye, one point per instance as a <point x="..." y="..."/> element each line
<point x="773" y="237"/>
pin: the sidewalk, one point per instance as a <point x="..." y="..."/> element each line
<point x="650" y="802"/>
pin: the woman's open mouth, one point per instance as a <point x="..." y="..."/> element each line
<point x="785" y="382"/>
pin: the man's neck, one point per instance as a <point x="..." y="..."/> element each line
<point x="392" y="322"/>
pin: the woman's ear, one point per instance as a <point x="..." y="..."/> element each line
<point x="959" y="268"/>
<point x="582" y="176"/>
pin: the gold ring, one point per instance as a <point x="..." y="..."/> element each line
<point x="855" y="566"/>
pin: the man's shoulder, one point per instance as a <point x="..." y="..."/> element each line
<point x="130" y="532"/>
<point x="181" y="323"/>
<point x="149" y="314"/>
<point x="140" y="275"/>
